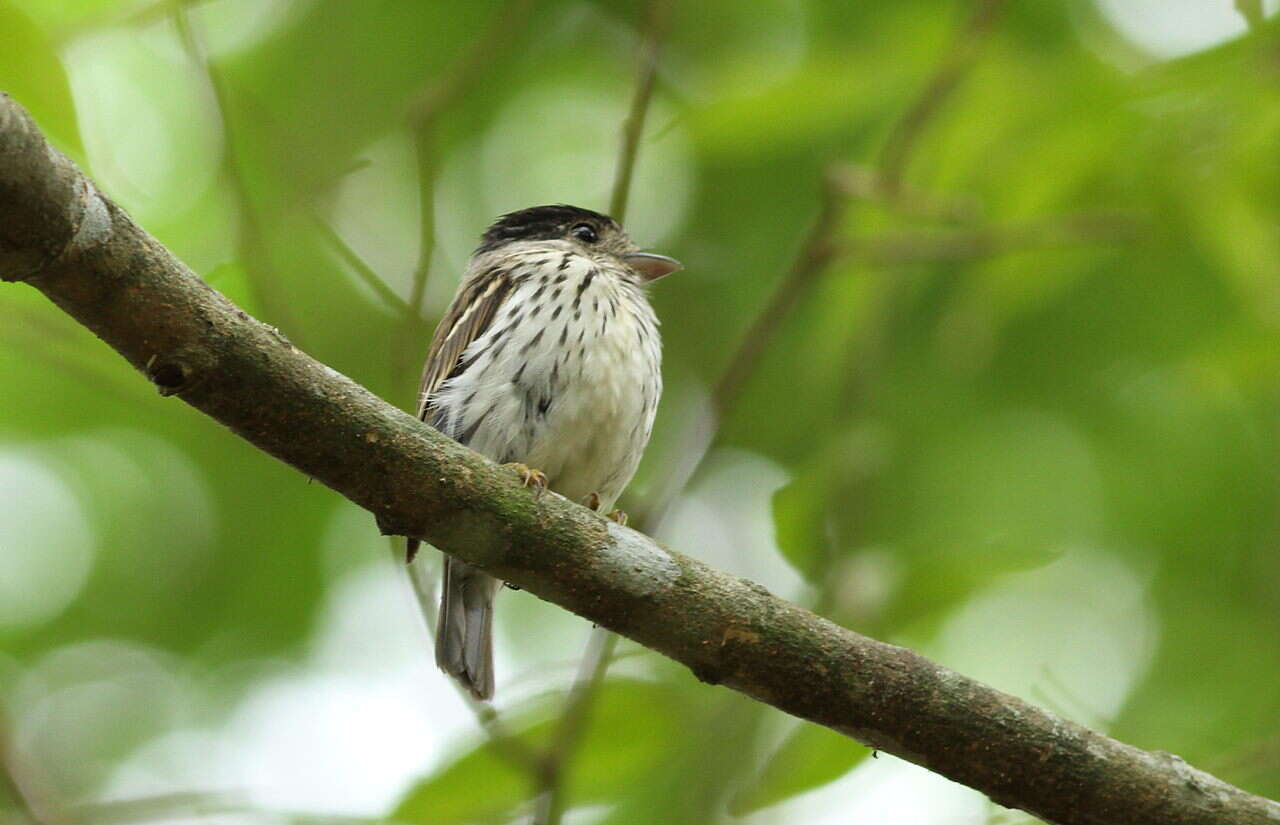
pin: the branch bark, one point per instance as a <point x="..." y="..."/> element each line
<point x="61" y="236"/>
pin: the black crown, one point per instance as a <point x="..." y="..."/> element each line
<point x="541" y="223"/>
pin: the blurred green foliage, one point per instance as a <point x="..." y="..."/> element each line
<point x="946" y="426"/>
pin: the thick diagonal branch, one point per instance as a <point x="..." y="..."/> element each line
<point x="62" y="237"/>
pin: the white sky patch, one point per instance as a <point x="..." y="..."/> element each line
<point x="1172" y="28"/>
<point x="47" y="544"/>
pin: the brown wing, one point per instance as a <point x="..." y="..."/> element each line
<point x="470" y="314"/>
<point x="467" y="318"/>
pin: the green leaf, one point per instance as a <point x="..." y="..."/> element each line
<point x="32" y="74"/>
<point x="603" y="767"/>
<point x="480" y="786"/>
<point x="806" y="518"/>
<point x="810" y="757"/>
<point x="631" y="730"/>
<point x="799" y="514"/>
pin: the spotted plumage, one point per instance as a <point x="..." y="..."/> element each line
<point x="573" y="398"/>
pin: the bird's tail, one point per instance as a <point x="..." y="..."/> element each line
<point x="464" y="632"/>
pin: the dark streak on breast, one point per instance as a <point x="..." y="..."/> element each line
<point x="532" y="341"/>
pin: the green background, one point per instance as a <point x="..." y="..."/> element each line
<point x="1036" y="440"/>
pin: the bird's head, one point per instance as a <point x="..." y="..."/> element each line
<point x="592" y="234"/>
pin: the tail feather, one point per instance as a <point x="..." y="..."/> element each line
<point x="464" y="633"/>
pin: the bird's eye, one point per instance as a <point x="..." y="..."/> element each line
<point x="585" y="233"/>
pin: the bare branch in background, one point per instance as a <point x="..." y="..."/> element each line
<point x="633" y="129"/>
<point x="254" y="253"/>
<point x="816" y="253"/>
<point x="862" y="183"/>
<point x="85" y="254"/>
<point x="506" y="744"/>
<point x="427" y="108"/>
<point x="362" y="270"/>
<point x="906" y="248"/>
<point x="951" y="71"/>
<point x="423" y="120"/>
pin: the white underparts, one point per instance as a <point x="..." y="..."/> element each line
<point x="566" y="379"/>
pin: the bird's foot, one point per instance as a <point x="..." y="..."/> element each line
<point x="593" y="502"/>
<point x="529" y="477"/>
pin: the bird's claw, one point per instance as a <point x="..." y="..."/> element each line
<point x="529" y="477"/>
<point x="593" y="502"/>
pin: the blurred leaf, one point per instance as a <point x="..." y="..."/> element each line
<point x="630" y="731"/>
<point x="810" y="757"/>
<point x="812" y="517"/>
<point x="31" y="72"/>
<point x="799" y="516"/>
<point x="481" y="786"/>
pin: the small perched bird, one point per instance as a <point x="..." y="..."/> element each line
<point x="549" y="356"/>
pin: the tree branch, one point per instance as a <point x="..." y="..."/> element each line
<point x="83" y="252"/>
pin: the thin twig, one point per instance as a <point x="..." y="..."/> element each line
<point x="254" y="252"/>
<point x="551" y="804"/>
<point x="950" y="72"/>
<point x="365" y="272"/>
<point x="864" y="183"/>
<point x="816" y="253"/>
<point x="905" y="248"/>
<point x="423" y="115"/>
<point x="633" y="127"/>
<point x="511" y="747"/>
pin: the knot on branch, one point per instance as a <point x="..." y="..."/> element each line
<point x="171" y="376"/>
<point x="50" y="208"/>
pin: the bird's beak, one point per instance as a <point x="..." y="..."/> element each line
<point x="652" y="267"/>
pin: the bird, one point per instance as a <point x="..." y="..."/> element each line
<point x="548" y="360"/>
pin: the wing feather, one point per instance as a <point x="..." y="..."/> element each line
<point x="468" y="317"/>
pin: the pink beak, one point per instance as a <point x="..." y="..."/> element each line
<point x="652" y="267"/>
